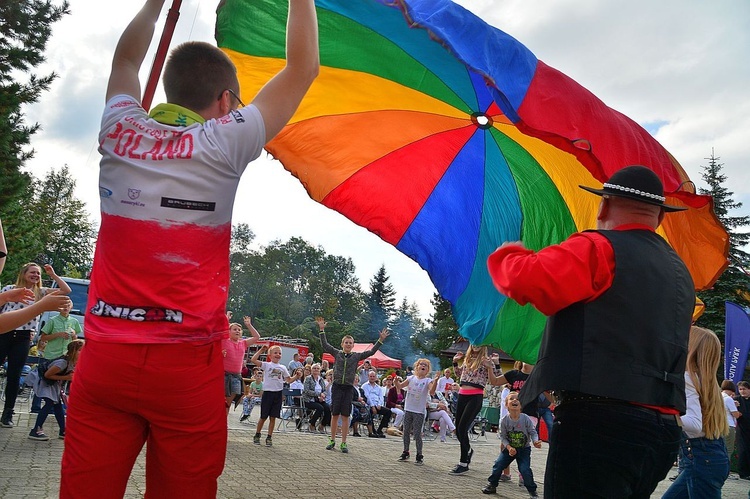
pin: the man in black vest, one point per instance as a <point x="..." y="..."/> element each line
<point x="620" y="303"/>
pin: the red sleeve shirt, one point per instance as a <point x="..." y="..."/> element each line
<point x="580" y="268"/>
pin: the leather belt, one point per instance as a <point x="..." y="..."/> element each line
<point x="567" y="397"/>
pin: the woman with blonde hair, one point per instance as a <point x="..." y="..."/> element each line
<point x="472" y="371"/>
<point x="15" y="344"/>
<point x="704" y="463"/>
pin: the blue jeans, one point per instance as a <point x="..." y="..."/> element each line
<point x="523" y="456"/>
<point x="48" y="407"/>
<point x="609" y="449"/>
<point x="704" y="466"/>
<point x="546" y="414"/>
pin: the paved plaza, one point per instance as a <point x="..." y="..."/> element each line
<point x="296" y="466"/>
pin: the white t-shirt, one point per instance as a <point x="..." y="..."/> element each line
<point x="417" y="394"/>
<point x="273" y="376"/>
<point x="730" y="407"/>
<point x="161" y="266"/>
<point x="442" y="381"/>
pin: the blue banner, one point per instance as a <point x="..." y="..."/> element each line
<point x="736" y="341"/>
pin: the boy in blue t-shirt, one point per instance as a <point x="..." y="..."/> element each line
<point x="517" y="433"/>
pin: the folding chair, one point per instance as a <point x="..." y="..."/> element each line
<point x="427" y="433"/>
<point x="479" y="428"/>
<point x="292" y="409"/>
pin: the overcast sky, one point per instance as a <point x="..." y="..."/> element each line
<point x="680" y="68"/>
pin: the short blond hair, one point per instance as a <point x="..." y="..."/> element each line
<point x="429" y="364"/>
<point x="275" y="347"/>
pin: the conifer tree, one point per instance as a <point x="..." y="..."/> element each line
<point x="65" y="231"/>
<point x="381" y="302"/>
<point x="734" y="283"/>
<point x="25" y="28"/>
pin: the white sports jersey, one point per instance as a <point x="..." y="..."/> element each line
<point x="161" y="267"/>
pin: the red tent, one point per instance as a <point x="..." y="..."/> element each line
<point x="379" y="360"/>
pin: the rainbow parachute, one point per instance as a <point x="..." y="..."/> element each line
<point x="446" y="137"/>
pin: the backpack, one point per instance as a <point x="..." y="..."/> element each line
<point x="43" y="365"/>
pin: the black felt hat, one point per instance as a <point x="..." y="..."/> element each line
<point x="635" y="182"/>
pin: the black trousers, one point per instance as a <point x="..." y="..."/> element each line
<point x="609" y="449"/>
<point x="466" y="411"/>
<point x="15" y="346"/>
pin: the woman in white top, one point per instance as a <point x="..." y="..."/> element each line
<point x="704" y="463"/>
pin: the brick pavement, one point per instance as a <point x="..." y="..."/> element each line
<point x="296" y="466"/>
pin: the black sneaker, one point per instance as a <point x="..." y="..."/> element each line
<point x="269" y="443"/>
<point x="419" y="461"/>
<point x="459" y="470"/>
<point x="244" y="417"/>
<point x="7" y="420"/>
<point x="404" y="456"/>
<point x="38" y="435"/>
<point x="256" y="439"/>
<point x="489" y="489"/>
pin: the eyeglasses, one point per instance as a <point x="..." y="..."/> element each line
<point x="233" y="94"/>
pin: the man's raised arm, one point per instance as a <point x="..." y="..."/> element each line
<point x="280" y="97"/>
<point x="131" y="50"/>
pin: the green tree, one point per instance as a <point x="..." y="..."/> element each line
<point x="21" y="228"/>
<point x="441" y="332"/>
<point x="241" y="255"/>
<point x="288" y="283"/>
<point x="734" y="283"/>
<point x="24" y="32"/>
<point x="381" y="303"/>
<point x="65" y="230"/>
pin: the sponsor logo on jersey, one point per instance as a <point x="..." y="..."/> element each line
<point x="137" y="314"/>
<point x="237" y="115"/>
<point x="188" y="204"/>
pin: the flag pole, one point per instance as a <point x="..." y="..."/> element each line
<point x="161" y="54"/>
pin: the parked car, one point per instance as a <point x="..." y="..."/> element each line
<point x="79" y="293"/>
